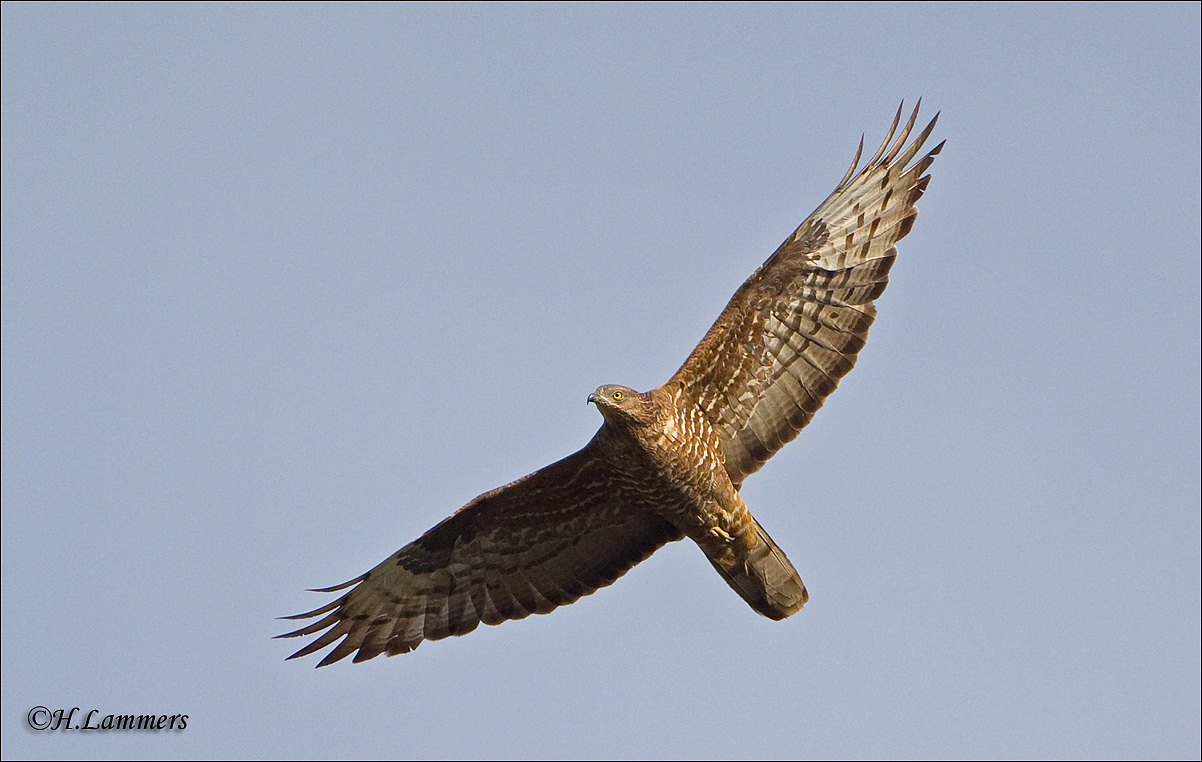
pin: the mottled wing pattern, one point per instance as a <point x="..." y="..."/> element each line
<point x="540" y="542"/>
<point x="794" y="328"/>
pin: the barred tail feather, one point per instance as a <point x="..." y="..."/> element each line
<point x="766" y="579"/>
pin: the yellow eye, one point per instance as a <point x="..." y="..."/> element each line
<point x="617" y="395"/>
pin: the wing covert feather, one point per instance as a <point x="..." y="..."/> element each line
<point x="528" y="547"/>
<point x="796" y="326"/>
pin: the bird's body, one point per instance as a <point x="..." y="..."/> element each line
<point x="667" y="463"/>
<point x="665" y="449"/>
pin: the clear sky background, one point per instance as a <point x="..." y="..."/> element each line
<point x="284" y="286"/>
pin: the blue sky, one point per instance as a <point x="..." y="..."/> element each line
<point x="283" y="286"/>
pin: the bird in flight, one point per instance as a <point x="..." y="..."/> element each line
<point x="668" y="463"/>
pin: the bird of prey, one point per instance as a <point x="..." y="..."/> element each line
<point x="667" y="463"/>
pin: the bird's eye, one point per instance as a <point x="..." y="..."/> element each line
<point x="617" y="395"/>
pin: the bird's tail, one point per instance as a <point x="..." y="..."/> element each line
<point x="765" y="578"/>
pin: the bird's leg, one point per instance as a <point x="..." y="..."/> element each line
<point x="721" y="549"/>
<point x="721" y="534"/>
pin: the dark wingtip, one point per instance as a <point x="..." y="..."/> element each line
<point x="343" y="586"/>
<point x="851" y="171"/>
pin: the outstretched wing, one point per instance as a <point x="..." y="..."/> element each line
<point x="794" y="328"/>
<point x="540" y="542"/>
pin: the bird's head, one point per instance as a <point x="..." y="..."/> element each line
<point x="622" y="405"/>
